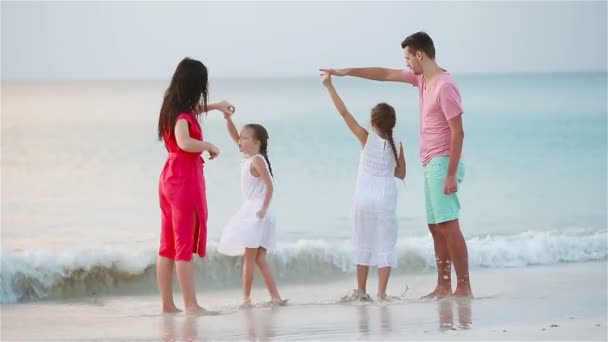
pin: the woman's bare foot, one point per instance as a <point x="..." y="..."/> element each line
<point x="438" y="293"/>
<point x="246" y="304"/>
<point x="171" y="310"/>
<point x="200" y="311"/>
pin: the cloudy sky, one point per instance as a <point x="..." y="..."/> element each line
<point x="145" y="40"/>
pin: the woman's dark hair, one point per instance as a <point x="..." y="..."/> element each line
<point x="188" y="87"/>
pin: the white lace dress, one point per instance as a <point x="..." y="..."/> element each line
<point x="374" y="210"/>
<point x="244" y="229"/>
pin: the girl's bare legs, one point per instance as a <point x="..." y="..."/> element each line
<point x="249" y="261"/>
<point x="260" y="261"/>
<point x="383" y="274"/>
<point x="362" y="271"/>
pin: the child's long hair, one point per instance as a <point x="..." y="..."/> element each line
<point x="260" y="133"/>
<point x="384" y="119"/>
<point x="188" y="86"/>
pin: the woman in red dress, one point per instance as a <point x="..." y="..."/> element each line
<point x="182" y="183"/>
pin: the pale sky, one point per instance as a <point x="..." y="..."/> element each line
<point x="146" y="40"/>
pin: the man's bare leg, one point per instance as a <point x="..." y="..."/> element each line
<point x="457" y="247"/>
<point x="444" y="264"/>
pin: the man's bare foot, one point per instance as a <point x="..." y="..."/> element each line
<point x="200" y="311"/>
<point x="171" y="310"/>
<point x="438" y="293"/>
<point x="463" y="288"/>
<point x="246" y="304"/>
<point x="463" y="292"/>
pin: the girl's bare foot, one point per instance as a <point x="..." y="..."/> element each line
<point x="278" y="302"/>
<point x="362" y="296"/>
<point x="246" y="304"/>
<point x="384" y="298"/>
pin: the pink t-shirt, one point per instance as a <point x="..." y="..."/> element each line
<point x="439" y="102"/>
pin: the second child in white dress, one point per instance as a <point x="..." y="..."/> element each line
<point x="374" y="209"/>
<point x="251" y="231"/>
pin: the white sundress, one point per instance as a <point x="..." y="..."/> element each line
<point x="245" y="229"/>
<point x="375" y="203"/>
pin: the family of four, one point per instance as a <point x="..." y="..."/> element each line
<point x="251" y="231"/>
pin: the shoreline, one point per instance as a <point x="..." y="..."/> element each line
<point x="565" y="301"/>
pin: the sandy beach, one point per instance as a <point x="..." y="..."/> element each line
<point x="562" y="302"/>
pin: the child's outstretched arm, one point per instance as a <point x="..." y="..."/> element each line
<point x="234" y="133"/>
<point x="400" y="170"/>
<point x="259" y="166"/>
<point x="351" y="122"/>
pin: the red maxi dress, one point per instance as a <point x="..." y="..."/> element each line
<point x="183" y="202"/>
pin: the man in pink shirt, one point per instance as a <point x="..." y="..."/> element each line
<point x="441" y="138"/>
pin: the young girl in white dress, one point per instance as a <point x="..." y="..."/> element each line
<point x="374" y="209"/>
<point x="251" y="231"/>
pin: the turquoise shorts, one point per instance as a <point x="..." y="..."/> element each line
<point x="439" y="206"/>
